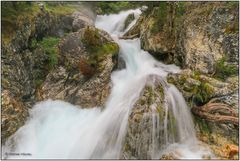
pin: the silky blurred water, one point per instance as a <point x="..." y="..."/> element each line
<point x="59" y="130"/>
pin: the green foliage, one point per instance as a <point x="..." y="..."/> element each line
<point x="203" y="126"/>
<point x="33" y="44"/>
<point x="38" y="82"/>
<point x="201" y="94"/>
<point x="91" y="38"/>
<point x="233" y="4"/>
<point x="97" y="47"/>
<point x="95" y="44"/>
<point x="99" y="52"/>
<point x="13" y="13"/>
<point x="224" y="70"/>
<point x="114" y="7"/>
<point x="49" y="44"/>
<point x="160" y="17"/>
<point x="59" y="8"/>
<point x="180" y="8"/>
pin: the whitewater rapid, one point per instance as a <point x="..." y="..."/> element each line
<point x="60" y="130"/>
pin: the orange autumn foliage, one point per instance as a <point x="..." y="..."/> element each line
<point x="85" y="68"/>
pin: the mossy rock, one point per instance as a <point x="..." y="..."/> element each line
<point x="97" y="46"/>
<point x="128" y="20"/>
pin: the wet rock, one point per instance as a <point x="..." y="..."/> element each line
<point x="134" y="31"/>
<point x="142" y="121"/>
<point x="156" y="37"/>
<point x="128" y="20"/>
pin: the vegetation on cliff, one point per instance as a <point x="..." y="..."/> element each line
<point x="114" y="7"/>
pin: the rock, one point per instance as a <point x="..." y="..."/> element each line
<point x="73" y="81"/>
<point x="156" y="36"/>
<point x="134" y="31"/>
<point x="202" y="40"/>
<point x="169" y="156"/>
<point x="25" y="66"/>
<point x="14" y="114"/>
<point x="128" y="20"/>
<point x="199" y="89"/>
<point x="139" y="143"/>
<point x="81" y="21"/>
<point x="193" y="84"/>
<point x="206" y="33"/>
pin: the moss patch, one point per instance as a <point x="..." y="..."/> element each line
<point x="97" y="46"/>
<point x="60" y="9"/>
<point x="160" y="17"/>
<point x="13" y="13"/>
<point x="114" y="7"/>
<point x="49" y="44"/>
<point x="224" y="70"/>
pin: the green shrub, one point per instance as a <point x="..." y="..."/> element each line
<point x="59" y="8"/>
<point x="91" y="38"/>
<point x="224" y="70"/>
<point x="160" y="17"/>
<point x="49" y="44"/>
<point x="202" y="93"/>
<point x="114" y="7"/>
<point x="180" y="8"/>
<point x="13" y="14"/>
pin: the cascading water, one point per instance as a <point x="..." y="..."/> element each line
<point x="56" y="129"/>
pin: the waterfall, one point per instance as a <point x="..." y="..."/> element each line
<point x="57" y="129"/>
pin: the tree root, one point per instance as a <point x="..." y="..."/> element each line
<point x="217" y="112"/>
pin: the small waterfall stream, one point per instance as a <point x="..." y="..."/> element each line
<point x="57" y="129"/>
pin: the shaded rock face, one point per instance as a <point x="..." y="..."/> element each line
<point x="145" y="133"/>
<point x="80" y="78"/>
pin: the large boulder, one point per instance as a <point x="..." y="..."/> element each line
<point x="81" y="21"/>
<point x="87" y="58"/>
<point x="155" y="30"/>
<point x="146" y="128"/>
